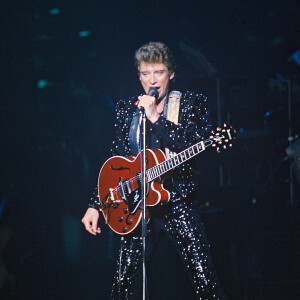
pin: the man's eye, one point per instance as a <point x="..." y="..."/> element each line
<point x="159" y="72"/>
<point x="145" y="74"/>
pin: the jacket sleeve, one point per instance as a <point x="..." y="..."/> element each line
<point x="120" y="145"/>
<point x="193" y="123"/>
<point x="94" y="200"/>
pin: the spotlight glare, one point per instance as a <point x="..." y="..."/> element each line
<point x="84" y="33"/>
<point x="54" y="11"/>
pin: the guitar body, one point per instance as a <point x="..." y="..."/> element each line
<point x="119" y="190"/>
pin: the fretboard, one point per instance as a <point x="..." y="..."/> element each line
<point x="177" y="160"/>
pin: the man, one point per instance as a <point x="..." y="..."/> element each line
<point x="175" y="121"/>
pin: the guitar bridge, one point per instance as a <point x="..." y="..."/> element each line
<point x="121" y="190"/>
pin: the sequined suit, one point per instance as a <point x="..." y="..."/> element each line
<point x="174" y="220"/>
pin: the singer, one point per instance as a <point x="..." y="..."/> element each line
<point x="176" y="239"/>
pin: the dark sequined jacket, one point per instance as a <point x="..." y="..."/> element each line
<point x="193" y="127"/>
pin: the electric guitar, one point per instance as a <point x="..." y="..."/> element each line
<point x="119" y="182"/>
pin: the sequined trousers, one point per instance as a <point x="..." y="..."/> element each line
<point x="186" y="231"/>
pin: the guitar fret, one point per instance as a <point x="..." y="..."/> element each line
<point x="150" y="174"/>
<point x="174" y="161"/>
<point x="182" y="156"/>
<point x="166" y="166"/>
<point x="179" y="159"/>
<point x="157" y="170"/>
<point x="195" y="149"/>
<point x="186" y="153"/>
<point x="160" y="170"/>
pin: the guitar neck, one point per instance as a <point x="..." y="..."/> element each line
<point x="177" y="160"/>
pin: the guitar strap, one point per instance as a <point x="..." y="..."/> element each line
<point x="171" y="113"/>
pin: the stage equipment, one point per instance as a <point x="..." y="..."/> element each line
<point x="293" y="151"/>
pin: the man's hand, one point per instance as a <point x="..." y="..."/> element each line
<point x="149" y="104"/>
<point x="90" y="221"/>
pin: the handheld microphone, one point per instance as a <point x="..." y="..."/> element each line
<point x="153" y="92"/>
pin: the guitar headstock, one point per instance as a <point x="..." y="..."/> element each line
<point x="223" y="137"/>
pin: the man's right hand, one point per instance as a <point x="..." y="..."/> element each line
<point x="90" y="221"/>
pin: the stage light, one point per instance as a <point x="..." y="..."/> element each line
<point x="295" y="57"/>
<point x="84" y="33"/>
<point x="54" y="11"/>
<point x="277" y="41"/>
<point x="43" y="83"/>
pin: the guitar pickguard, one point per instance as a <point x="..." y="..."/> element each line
<point x="134" y="199"/>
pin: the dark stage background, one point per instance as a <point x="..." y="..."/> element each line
<point x="64" y="65"/>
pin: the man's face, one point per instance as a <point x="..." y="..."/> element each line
<point x="155" y="75"/>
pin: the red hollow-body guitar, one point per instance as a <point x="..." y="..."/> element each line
<point x="119" y="181"/>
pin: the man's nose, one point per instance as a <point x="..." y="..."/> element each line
<point x="153" y="79"/>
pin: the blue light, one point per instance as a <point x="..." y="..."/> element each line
<point x="54" y="11"/>
<point x="2" y="204"/>
<point x="295" y="57"/>
<point x="43" y="83"/>
<point x="84" y="33"/>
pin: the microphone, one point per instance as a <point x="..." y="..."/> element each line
<point x="153" y="92"/>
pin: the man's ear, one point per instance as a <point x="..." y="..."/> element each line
<point x="172" y="75"/>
